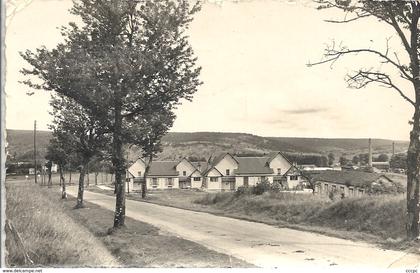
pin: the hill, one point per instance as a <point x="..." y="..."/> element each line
<point x="202" y="145"/>
<point x="21" y="143"/>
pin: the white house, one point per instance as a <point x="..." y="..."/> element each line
<point x="165" y="174"/>
<point x="228" y="172"/>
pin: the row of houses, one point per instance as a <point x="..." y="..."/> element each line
<point x="228" y="172"/>
<point x="225" y="172"/>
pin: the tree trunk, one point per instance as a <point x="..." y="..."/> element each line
<point x="146" y="172"/>
<point x="81" y="189"/>
<point x="118" y="162"/>
<point x="63" y="183"/>
<point x="96" y="178"/>
<point x="88" y="174"/>
<point x="413" y="163"/>
<point x="49" y="177"/>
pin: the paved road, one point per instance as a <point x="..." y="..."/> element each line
<point x="259" y="244"/>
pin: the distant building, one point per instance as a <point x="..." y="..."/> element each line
<point x="353" y="183"/>
<point x="316" y="168"/>
<point x="382" y="166"/>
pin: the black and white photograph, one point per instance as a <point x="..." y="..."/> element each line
<point x="210" y="134"/>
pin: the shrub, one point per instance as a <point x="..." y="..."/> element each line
<point x="244" y="191"/>
<point x="276" y="186"/>
<point x="262" y="186"/>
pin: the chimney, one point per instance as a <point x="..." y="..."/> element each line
<point x="393" y="148"/>
<point x="199" y="166"/>
<point x="370" y="153"/>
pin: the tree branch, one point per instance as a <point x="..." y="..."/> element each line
<point x="333" y="55"/>
<point x="364" y="77"/>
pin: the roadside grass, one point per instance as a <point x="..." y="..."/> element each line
<point x="51" y="238"/>
<point x="374" y="219"/>
<point x="58" y="235"/>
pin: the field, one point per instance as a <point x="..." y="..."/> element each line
<point x="55" y="234"/>
<point x="375" y="219"/>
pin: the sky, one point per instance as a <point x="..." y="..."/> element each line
<point x="254" y="57"/>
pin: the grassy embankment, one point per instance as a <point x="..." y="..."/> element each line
<point x="51" y="237"/>
<point x="55" y="234"/>
<point x="375" y="219"/>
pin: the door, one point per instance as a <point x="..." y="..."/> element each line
<point x="232" y="186"/>
<point x="246" y="181"/>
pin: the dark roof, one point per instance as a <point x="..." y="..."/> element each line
<point x="201" y="166"/>
<point x="163" y="168"/>
<point x="353" y="178"/>
<point x="249" y="165"/>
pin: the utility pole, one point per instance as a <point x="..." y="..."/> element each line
<point x="370" y="153"/>
<point x="35" y="150"/>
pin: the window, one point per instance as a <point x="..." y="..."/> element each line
<point x="326" y="187"/>
<point x="278" y="170"/>
<point x="246" y="181"/>
<point x="351" y="191"/>
<point x="341" y="188"/>
<point x="334" y="187"/>
<point x="139" y="173"/>
<point x="213" y="179"/>
<point x="197" y="178"/>
<point x="170" y="182"/>
<point x="262" y="178"/>
<point x="154" y="182"/>
<point x="227" y="172"/>
<point x="360" y="192"/>
<point x="184" y="173"/>
<point x="294" y="177"/>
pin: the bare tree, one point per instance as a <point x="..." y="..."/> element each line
<point x="403" y="18"/>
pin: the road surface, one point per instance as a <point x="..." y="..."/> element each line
<point x="259" y="244"/>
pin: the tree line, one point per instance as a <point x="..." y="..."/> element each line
<point x="116" y="80"/>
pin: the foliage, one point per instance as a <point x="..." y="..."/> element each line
<point x="302" y="159"/>
<point x="262" y="186"/>
<point x="331" y="159"/>
<point x="126" y="61"/>
<point x="398" y="161"/>
<point x="242" y="190"/>
<point x="382" y="158"/>
<point x="343" y="161"/>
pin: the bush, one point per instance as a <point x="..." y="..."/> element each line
<point x="276" y="187"/>
<point x="244" y="191"/>
<point x="261" y="187"/>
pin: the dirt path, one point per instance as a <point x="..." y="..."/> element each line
<point x="259" y="244"/>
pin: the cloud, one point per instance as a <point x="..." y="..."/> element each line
<point x="303" y="111"/>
